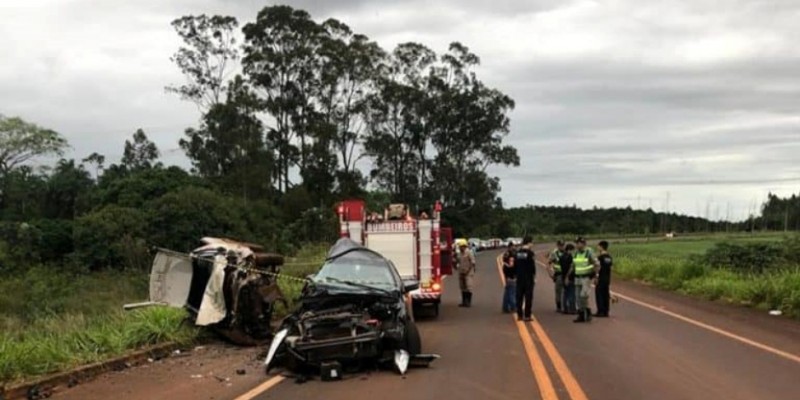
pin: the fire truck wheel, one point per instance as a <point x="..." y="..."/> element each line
<point x="436" y="310"/>
<point x="413" y="342"/>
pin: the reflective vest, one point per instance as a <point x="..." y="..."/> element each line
<point x="555" y="258"/>
<point x="582" y="265"/>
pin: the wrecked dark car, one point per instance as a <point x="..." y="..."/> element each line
<point x="355" y="312"/>
<point x="226" y="285"/>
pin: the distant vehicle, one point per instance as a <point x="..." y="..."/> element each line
<point x="475" y="244"/>
<point x="513" y="240"/>
<point x="356" y="308"/>
<point x="495" y="243"/>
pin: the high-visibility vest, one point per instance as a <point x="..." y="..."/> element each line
<point x="555" y="256"/>
<point x="582" y="265"/>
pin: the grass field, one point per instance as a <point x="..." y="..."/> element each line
<point x="680" y="265"/>
<point x="53" y="320"/>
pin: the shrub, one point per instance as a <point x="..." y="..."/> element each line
<point x="102" y="238"/>
<point x="178" y="219"/>
<point x="747" y="257"/>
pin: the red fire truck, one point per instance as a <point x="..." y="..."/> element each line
<point x="419" y="247"/>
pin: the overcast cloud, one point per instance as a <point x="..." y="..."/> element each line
<point x="618" y="102"/>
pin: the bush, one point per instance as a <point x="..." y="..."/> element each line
<point x="179" y="219"/>
<point x="746" y="257"/>
<point x="103" y="237"/>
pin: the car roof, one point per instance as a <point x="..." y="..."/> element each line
<point x="346" y="247"/>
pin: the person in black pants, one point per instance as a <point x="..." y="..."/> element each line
<point x="525" y="267"/>
<point x="602" y="291"/>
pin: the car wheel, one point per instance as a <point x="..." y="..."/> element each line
<point x="413" y="342"/>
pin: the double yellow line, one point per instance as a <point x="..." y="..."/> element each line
<point x="543" y="381"/>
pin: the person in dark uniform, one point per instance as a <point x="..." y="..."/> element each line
<point x="568" y="275"/>
<point x="525" y="267"/>
<point x="602" y="291"/>
<point x="510" y="293"/>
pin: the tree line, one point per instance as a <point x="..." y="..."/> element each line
<point x="295" y="115"/>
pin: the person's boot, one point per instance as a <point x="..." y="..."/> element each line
<point x="558" y="307"/>
<point x="469" y="299"/>
<point x="463" y="299"/>
<point x="581" y="316"/>
<point x="588" y="315"/>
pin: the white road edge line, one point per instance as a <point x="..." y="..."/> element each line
<point x="714" y="329"/>
<point x="705" y="326"/>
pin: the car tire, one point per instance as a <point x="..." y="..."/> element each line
<point x="413" y="342"/>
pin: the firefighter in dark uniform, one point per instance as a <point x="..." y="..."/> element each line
<point x="525" y="267"/>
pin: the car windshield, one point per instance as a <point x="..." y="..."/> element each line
<point x="359" y="269"/>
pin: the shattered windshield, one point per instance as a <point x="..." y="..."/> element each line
<point x="356" y="269"/>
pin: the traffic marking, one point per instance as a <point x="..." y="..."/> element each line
<point x="543" y="381"/>
<point x="546" y="388"/>
<point x="261" y="388"/>
<point x="573" y="388"/>
<point x="780" y="353"/>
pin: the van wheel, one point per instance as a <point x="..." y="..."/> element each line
<point x="413" y="342"/>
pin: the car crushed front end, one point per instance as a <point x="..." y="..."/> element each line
<point x="345" y="328"/>
<point x="355" y="312"/>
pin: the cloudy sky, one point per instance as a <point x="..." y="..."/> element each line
<point x="694" y="103"/>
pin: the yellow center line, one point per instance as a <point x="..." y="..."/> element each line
<point x="261" y="388"/>
<point x="714" y="329"/>
<point x="573" y="388"/>
<point x="543" y="381"/>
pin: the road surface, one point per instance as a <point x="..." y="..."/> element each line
<point x="656" y="345"/>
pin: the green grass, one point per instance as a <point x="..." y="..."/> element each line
<point x="307" y="261"/>
<point x="61" y="342"/>
<point x="678" y="265"/>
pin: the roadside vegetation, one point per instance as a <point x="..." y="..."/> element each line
<point x="54" y="320"/>
<point x="757" y="271"/>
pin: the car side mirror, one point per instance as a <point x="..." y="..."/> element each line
<point x="410" y="285"/>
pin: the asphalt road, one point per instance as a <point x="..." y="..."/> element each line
<point x="656" y="345"/>
<point x="638" y="353"/>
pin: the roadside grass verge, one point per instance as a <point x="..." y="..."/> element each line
<point x="682" y="267"/>
<point x="58" y="343"/>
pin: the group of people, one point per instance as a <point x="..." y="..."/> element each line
<point x="574" y="269"/>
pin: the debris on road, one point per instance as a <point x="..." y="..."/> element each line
<point x="776" y="313"/>
<point x="241" y="371"/>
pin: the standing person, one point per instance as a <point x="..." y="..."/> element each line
<point x="602" y="289"/>
<point x="568" y="278"/>
<point x="465" y="261"/>
<point x="556" y="273"/>
<point x="585" y="267"/>
<point x="525" y="267"/>
<point x="510" y="292"/>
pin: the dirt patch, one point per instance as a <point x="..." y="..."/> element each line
<point x="212" y="371"/>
